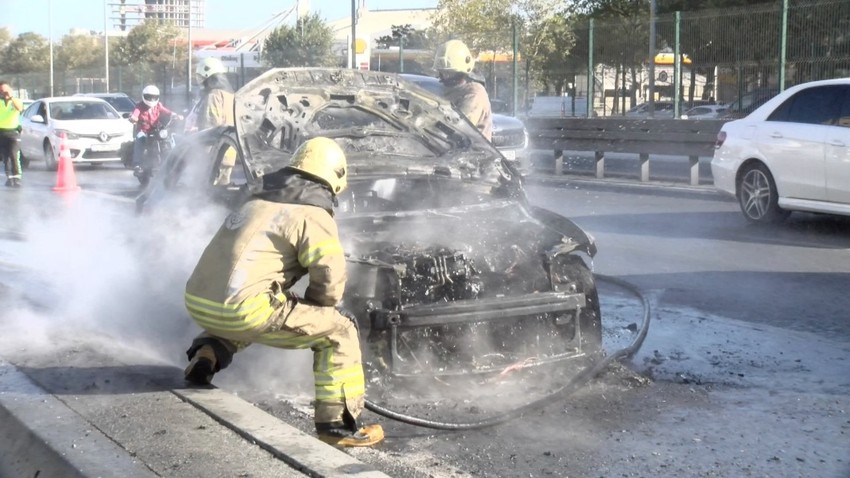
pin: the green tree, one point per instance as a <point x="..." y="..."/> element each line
<point x="308" y="43"/>
<point x="413" y="38"/>
<point x="5" y="38"/>
<point x="79" y="51"/>
<point x="29" y="52"/>
<point x="153" y="42"/>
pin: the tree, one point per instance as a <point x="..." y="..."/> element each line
<point x="29" y="52"/>
<point x="308" y="43"/>
<point x="413" y="38"/>
<point x="153" y="42"/>
<point x="5" y="38"/>
<point x="79" y="51"/>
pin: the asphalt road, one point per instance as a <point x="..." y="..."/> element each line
<point x="743" y="372"/>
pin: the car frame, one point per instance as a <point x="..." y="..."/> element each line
<point x="89" y="140"/>
<point x="788" y="155"/>
<point x="509" y="134"/>
<point x="445" y="254"/>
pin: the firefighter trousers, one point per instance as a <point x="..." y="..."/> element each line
<point x="337" y="368"/>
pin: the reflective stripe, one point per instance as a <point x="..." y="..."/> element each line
<point x="322" y="249"/>
<point x="346" y="375"/>
<point x="231" y="317"/>
<point x="336" y="393"/>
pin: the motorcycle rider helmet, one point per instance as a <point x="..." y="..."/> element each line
<point x="150" y="95"/>
<point x="454" y="56"/>
<point x="208" y="67"/>
<point x="324" y="159"/>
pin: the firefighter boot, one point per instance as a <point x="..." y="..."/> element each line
<point x="201" y="368"/>
<point x="337" y="434"/>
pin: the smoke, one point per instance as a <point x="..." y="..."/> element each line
<point x="92" y="271"/>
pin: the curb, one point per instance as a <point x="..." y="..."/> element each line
<point x="43" y="436"/>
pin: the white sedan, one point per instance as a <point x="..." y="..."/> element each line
<point x="706" y="112"/>
<point x="790" y="154"/>
<point x="95" y="131"/>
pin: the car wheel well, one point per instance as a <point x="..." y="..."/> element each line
<point x="746" y="165"/>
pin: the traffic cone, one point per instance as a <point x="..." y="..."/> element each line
<point x="66" y="180"/>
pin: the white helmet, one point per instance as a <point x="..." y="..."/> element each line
<point x="454" y="56"/>
<point x="150" y="95"/>
<point x="208" y="67"/>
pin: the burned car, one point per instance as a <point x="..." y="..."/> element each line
<point x="451" y="270"/>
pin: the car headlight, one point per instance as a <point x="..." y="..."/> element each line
<point x="68" y="134"/>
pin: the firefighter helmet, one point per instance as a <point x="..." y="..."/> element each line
<point x="454" y="55"/>
<point x="208" y="67"/>
<point x="323" y="158"/>
<point x="150" y="95"/>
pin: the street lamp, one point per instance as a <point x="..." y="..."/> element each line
<point x="50" y="39"/>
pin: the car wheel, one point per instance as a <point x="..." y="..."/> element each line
<point x="757" y="195"/>
<point x="50" y="157"/>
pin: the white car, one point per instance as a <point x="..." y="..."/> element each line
<point x="706" y="112"/>
<point x="95" y="131"/>
<point x="790" y="154"/>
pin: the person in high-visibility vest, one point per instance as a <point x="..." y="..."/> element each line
<point x="10" y="134"/>
<point x="239" y="291"/>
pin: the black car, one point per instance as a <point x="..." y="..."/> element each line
<point x="120" y="101"/>
<point x="451" y="270"/>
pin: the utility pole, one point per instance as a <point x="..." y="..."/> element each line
<point x="50" y="34"/>
<point x="189" y="60"/>
<point x="353" y="33"/>
<point x="106" y="45"/>
<point x="651" y="59"/>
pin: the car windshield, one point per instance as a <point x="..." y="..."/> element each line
<point x="120" y="103"/>
<point x="82" y="110"/>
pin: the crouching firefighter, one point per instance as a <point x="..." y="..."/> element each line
<point x="239" y="291"/>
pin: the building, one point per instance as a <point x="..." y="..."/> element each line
<point x="183" y="13"/>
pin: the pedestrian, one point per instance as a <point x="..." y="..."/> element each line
<point x="239" y="292"/>
<point x="215" y="108"/>
<point x="145" y="116"/>
<point x="454" y="63"/>
<point x="10" y="134"/>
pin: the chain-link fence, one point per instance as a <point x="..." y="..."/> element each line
<point x="738" y="56"/>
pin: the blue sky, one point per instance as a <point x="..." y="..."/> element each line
<point x="31" y="15"/>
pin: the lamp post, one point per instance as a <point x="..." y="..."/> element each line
<point x="105" y="45"/>
<point x="651" y="90"/>
<point x="50" y="40"/>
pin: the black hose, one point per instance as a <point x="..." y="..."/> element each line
<point x="574" y="384"/>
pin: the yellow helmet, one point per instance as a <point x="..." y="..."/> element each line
<point x="208" y="67"/>
<point x="453" y="55"/>
<point x="323" y="158"/>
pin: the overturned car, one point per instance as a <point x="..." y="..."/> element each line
<point x="451" y="270"/>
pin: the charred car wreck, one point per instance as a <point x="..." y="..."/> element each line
<point x="451" y="270"/>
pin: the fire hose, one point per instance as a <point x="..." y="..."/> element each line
<point x="570" y="387"/>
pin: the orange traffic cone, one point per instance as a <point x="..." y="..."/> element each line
<point x="66" y="180"/>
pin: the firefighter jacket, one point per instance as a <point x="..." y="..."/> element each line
<point x="216" y="104"/>
<point x="262" y="250"/>
<point x="472" y="100"/>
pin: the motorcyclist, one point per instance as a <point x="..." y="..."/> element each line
<point x="454" y="63"/>
<point x="145" y="116"/>
<point x="215" y="108"/>
<point x="239" y="291"/>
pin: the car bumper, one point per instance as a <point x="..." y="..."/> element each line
<point x="724" y="170"/>
<point x="528" y="314"/>
<point x="83" y="151"/>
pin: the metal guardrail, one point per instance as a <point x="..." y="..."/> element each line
<point x="691" y="138"/>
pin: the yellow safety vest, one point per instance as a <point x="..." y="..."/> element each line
<point x="9" y="116"/>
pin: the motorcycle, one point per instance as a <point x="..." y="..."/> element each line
<point x="159" y="141"/>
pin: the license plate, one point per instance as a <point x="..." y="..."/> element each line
<point x="509" y="154"/>
<point x="104" y="147"/>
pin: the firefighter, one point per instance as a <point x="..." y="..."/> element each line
<point x="239" y="291"/>
<point x="454" y="63"/>
<point x="10" y="132"/>
<point x="215" y="108"/>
